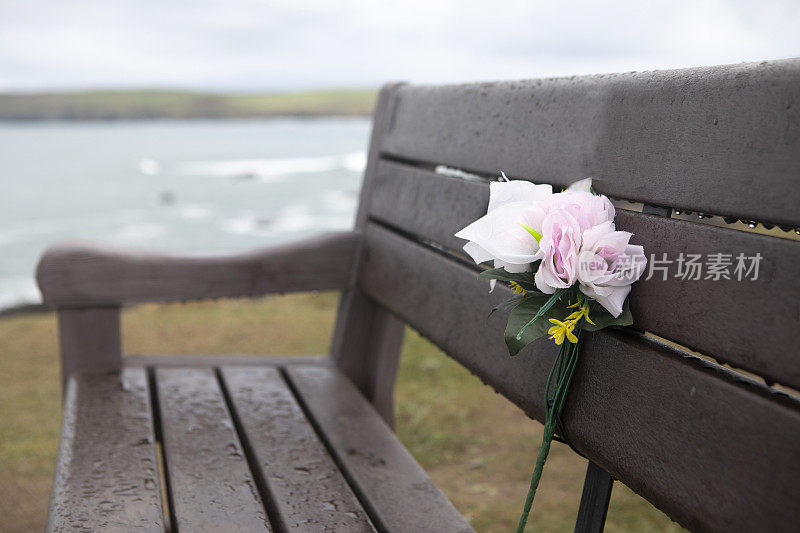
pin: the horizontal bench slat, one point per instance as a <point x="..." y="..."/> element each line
<point x="722" y="140"/>
<point x="713" y="453"/>
<point x="307" y="491"/>
<point x="398" y="494"/>
<point x="107" y="472"/>
<point x="670" y="426"/>
<point x="211" y="486"/>
<point x="731" y="320"/>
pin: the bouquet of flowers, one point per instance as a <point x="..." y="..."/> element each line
<point x="571" y="271"/>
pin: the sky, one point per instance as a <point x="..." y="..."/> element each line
<point x="269" y="45"/>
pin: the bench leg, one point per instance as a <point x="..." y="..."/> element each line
<point x="366" y="346"/>
<point x="594" y="500"/>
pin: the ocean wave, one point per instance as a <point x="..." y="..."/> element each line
<point x="32" y="228"/>
<point x="149" y="167"/>
<point x="273" y="169"/>
<point x="195" y="211"/>
<point x="341" y="201"/>
<point x="291" y="220"/>
<point x="136" y="233"/>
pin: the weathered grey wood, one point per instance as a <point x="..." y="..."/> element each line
<point x="396" y="492"/>
<point x="197" y="361"/>
<point x="72" y="275"/>
<point x="89" y="339"/>
<point x="594" y="500"/>
<point x="106" y="476"/>
<point x="731" y="320"/>
<point x="722" y="140"/>
<point x="712" y="449"/>
<point x="211" y="487"/>
<point x="307" y="490"/>
<point x="426" y="204"/>
<point x="367" y="339"/>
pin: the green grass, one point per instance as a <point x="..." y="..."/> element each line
<point x="126" y="105"/>
<point x="475" y="445"/>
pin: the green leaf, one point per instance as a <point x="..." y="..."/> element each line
<point x="603" y="318"/>
<point x="525" y="279"/>
<point x="554" y="298"/>
<point x="508" y="304"/>
<point x="522" y="314"/>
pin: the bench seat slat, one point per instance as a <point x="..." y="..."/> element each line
<point x="731" y="320"/>
<point x="307" y="491"/>
<point x="211" y="486"/>
<point x="106" y="477"/>
<point x="398" y="494"/>
<point x="722" y="140"/>
<point x="674" y="428"/>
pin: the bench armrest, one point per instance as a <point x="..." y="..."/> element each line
<point x="86" y="275"/>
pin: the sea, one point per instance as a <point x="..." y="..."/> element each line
<point x="172" y="186"/>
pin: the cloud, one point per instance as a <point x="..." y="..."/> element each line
<point x="277" y="45"/>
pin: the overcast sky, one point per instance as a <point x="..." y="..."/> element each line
<point x="249" y="45"/>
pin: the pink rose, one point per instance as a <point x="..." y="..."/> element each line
<point x="608" y="264"/>
<point x="558" y="250"/>
<point x="587" y="208"/>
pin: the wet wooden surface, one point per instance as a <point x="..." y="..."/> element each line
<point x="107" y="472"/>
<point x="713" y="449"/>
<point x="730" y="319"/>
<point x="723" y="139"/>
<point x="243" y="448"/>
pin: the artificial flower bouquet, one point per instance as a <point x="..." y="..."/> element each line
<point x="571" y="272"/>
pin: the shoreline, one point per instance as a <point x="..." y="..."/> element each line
<point x="166" y="118"/>
<point x="145" y="104"/>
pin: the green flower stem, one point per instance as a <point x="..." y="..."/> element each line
<point x="562" y="370"/>
<point x="544" y="449"/>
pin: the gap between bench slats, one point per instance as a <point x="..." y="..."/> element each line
<point x="210" y="482"/>
<point x="106" y="476"/>
<point x="670" y="426"/>
<point x="307" y="491"/>
<point x="717" y="139"/>
<point x="397" y="492"/>
<point x="748" y="324"/>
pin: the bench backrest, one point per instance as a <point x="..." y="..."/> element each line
<point x="711" y="447"/>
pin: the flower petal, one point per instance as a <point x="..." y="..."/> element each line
<point x="506" y="192"/>
<point x="582" y="185"/>
<point x="478" y="254"/>
<point x="501" y="234"/>
<point x="613" y="302"/>
<point x="512" y="268"/>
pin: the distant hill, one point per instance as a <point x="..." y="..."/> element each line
<point x="131" y="105"/>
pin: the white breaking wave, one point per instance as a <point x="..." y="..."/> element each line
<point x="195" y="211"/>
<point x="356" y="162"/>
<point x="135" y="233"/>
<point x="290" y="220"/>
<point x="341" y="201"/>
<point x="273" y="169"/>
<point x="149" y="167"/>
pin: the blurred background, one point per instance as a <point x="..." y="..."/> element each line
<point x="192" y="126"/>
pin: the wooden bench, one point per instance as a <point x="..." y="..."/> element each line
<point x="305" y="444"/>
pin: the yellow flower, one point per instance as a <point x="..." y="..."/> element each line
<point x="517" y="287"/>
<point x="560" y="330"/>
